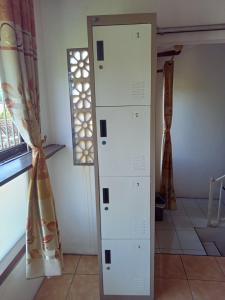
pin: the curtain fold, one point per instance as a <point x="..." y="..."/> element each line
<point x="19" y="82"/>
<point x="167" y="186"/>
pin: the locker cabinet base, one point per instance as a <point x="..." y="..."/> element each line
<point x="117" y="297"/>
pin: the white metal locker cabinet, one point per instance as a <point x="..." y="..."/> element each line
<point x="123" y="77"/>
<point x="126" y="268"/>
<point x="125" y="207"/>
<point x="122" y="59"/>
<point x="123" y="140"/>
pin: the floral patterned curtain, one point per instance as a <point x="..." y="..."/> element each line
<point x="167" y="186"/>
<point x="19" y="82"/>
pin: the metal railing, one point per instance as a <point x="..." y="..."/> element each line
<point x="214" y="222"/>
<point x="9" y="135"/>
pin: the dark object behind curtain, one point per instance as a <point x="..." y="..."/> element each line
<point x="167" y="186"/>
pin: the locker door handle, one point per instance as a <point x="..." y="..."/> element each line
<point x="108" y="256"/>
<point x="105" y="192"/>
<point x="100" y="50"/>
<point x="103" y="128"/>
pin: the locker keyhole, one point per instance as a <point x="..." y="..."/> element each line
<point x="138" y="35"/>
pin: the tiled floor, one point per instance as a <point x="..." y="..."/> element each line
<point x="189" y="277"/>
<point x="177" y="277"/>
<point x="193" y="276"/>
<point x="79" y="282"/>
<point x="176" y="233"/>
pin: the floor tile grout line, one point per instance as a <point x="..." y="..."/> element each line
<point x="221" y="269"/>
<point x="190" y="279"/>
<point x="175" y="230"/>
<point x="73" y="276"/>
<point x="173" y="278"/>
<point x="206" y="280"/>
<point x="187" y="277"/>
<point x="202" y="210"/>
<point x="192" y="293"/>
<point x="211" y="280"/>
<point x="183" y="266"/>
<point x="41" y="285"/>
<point x="193" y="227"/>
<point x="183" y="249"/>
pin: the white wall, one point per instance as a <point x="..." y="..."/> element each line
<point x="16" y="287"/>
<point x="13" y="212"/>
<point x="198" y="131"/>
<point x="63" y="25"/>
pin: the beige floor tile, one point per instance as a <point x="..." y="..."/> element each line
<point x="207" y="290"/>
<point x="87" y="265"/>
<point x="54" y="288"/>
<point x="169" y="266"/>
<point x="84" y="287"/>
<point x="172" y="289"/>
<point x="70" y="263"/>
<point x="202" y="268"/>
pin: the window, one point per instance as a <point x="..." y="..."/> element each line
<point x="81" y="106"/>
<point x="11" y="143"/>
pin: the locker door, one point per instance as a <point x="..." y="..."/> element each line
<point x="122" y="64"/>
<point x="125" y="207"/>
<point x="123" y="140"/>
<point x="126" y="268"/>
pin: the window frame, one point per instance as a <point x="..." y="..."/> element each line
<point x="13" y="152"/>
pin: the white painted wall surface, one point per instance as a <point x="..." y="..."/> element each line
<point x="75" y="203"/>
<point x="198" y="133"/>
<point x="13" y="212"/>
<point x="63" y="25"/>
<point x="16" y="287"/>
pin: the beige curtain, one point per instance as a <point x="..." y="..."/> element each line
<point x="167" y="186"/>
<point x="19" y="82"/>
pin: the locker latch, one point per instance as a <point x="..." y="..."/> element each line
<point x="103" y="128"/>
<point x="100" y="50"/>
<point x="108" y="256"/>
<point x="105" y="192"/>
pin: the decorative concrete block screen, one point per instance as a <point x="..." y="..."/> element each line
<point x="81" y="106"/>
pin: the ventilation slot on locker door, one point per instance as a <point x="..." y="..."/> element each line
<point x="137" y="89"/>
<point x="139" y="284"/>
<point x="139" y="227"/>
